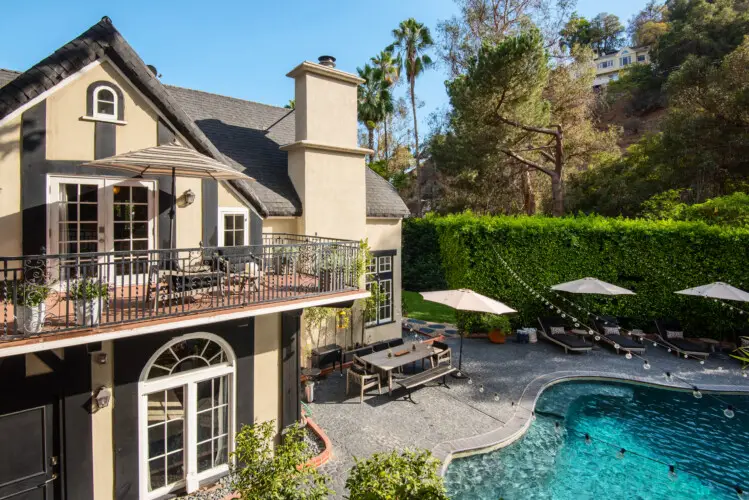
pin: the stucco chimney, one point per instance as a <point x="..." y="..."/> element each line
<point x="326" y="164"/>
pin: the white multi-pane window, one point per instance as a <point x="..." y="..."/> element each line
<point x="234" y="227"/>
<point x="186" y="415"/>
<point x="380" y="271"/>
<point x="625" y="61"/>
<point x="605" y="64"/>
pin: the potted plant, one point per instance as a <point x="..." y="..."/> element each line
<point x="31" y="306"/>
<point x="332" y="269"/>
<point x="87" y="293"/>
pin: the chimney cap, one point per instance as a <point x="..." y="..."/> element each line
<point x="327" y="61"/>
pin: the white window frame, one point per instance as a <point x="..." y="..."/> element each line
<point x="625" y="61"/>
<point x="95" y="111"/>
<point x="222" y="211"/>
<point x="189" y="380"/>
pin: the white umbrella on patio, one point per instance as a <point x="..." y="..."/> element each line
<point x="593" y="286"/>
<point x="467" y="300"/>
<point x="717" y="290"/>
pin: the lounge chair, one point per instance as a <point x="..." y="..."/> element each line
<point x="568" y="341"/>
<point x="366" y="379"/>
<point x="671" y="333"/>
<point x="609" y="328"/>
<point x="741" y="352"/>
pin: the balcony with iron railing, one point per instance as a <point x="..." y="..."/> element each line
<point x="47" y="294"/>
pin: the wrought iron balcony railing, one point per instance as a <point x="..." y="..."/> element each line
<point x="43" y="294"/>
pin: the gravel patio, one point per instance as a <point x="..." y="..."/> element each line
<point x="383" y="423"/>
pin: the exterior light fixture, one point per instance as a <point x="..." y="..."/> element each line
<point x="102" y="397"/>
<point x="187" y="199"/>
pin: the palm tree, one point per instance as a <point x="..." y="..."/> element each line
<point x="391" y="72"/>
<point x="412" y="39"/>
<point x="374" y="101"/>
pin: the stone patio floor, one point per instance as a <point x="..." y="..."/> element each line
<point x="383" y="423"/>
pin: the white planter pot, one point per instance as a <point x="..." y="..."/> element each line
<point x="90" y="315"/>
<point x="30" y="319"/>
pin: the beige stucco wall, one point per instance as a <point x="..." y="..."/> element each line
<point x="267" y="375"/>
<point x="325" y="110"/>
<point x="71" y="138"/>
<point x="385" y="234"/>
<point x="226" y="198"/>
<point x="101" y="420"/>
<point x="10" y="188"/>
<point x="282" y="225"/>
<point x="188" y="219"/>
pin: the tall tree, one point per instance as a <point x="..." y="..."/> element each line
<point x="412" y="41"/>
<point x="512" y="110"/>
<point x="604" y="33"/>
<point x="648" y="25"/>
<point x="390" y="67"/>
<point x="374" y="101"/>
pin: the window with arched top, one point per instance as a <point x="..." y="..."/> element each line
<point x="105" y="102"/>
<point x="186" y="414"/>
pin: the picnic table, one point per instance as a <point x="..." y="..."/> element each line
<point x="402" y="355"/>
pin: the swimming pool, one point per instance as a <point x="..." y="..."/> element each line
<point x="552" y="462"/>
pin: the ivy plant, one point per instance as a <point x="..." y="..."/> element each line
<point x="408" y="475"/>
<point x="268" y="472"/>
<point x="87" y="289"/>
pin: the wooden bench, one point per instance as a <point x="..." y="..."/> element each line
<point x="422" y="378"/>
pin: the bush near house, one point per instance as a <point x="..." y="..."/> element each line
<point x="410" y="475"/>
<point x="653" y="258"/>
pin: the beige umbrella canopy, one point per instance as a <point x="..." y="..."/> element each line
<point x="592" y="286"/>
<point x="717" y="290"/>
<point x="170" y="160"/>
<point x="467" y="300"/>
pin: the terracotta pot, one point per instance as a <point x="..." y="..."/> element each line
<point x="496" y="337"/>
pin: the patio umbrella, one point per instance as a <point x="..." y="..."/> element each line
<point x="173" y="160"/>
<point x="593" y="286"/>
<point x="717" y="290"/>
<point x="467" y="300"/>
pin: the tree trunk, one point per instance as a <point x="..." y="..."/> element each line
<point x="416" y="149"/>
<point x="557" y="196"/>
<point x="370" y="132"/>
<point x="529" y="197"/>
<point x="387" y="153"/>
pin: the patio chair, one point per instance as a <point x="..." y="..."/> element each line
<point x="241" y="266"/>
<point x="671" y="333"/>
<point x="553" y="329"/>
<point x="741" y="353"/>
<point x="359" y="373"/>
<point x="609" y="328"/>
<point x="444" y="354"/>
<point x="396" y="342"/>
<point x="380" y="346"/>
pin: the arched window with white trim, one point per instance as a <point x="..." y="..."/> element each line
<point x="186" y="414"/>
<point x="105" y="102"/>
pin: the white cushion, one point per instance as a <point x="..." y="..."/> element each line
<point x="611" y="330"/>
<point x="674" y="335"/>
<point x="556" y="330"/>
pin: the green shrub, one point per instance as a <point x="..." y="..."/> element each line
<point x="265" y="472"/>
<point x="653" y="258"/>
<point x="421" y="264"/>
<point x="731" y="210"/>
<point x="472" y="322"/>
<point x="88" y="288"/>
<point x="410" y="475"/>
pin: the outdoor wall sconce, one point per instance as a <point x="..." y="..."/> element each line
<point x="102" y="397"/>
<point x="187" y="199"/>
<point x="101" y="358"/>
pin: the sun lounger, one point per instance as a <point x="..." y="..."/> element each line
<point x="568" y="341"/>
<point x="609" y="328"/>
<point x="668" y="331"/>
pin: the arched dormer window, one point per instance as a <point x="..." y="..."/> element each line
<point x="104" y="101"/>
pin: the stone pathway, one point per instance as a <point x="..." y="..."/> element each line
<point x="430" y="328"/>
<point x="444" y="415"/>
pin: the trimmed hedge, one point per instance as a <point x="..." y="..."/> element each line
<point x="653" y="258"/>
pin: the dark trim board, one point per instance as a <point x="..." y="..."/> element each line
<point x="209" y="190"/>
<point x="117" y="90"/>
<point x="291" y="410"/>
<point x="130" y="357"/>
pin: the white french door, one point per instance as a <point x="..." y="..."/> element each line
<point x="98" y="214"/>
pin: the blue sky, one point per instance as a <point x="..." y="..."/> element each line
<point x="241" y="48"/>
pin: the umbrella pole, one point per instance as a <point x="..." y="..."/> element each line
<point x="172" y="210"/>
<point x="459" y="374"/>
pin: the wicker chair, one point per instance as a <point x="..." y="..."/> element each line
<point x="359" y="374"/>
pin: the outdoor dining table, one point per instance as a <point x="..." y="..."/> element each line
<point x="386" y="364"/>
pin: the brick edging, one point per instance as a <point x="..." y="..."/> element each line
<point x="324" y="456"/>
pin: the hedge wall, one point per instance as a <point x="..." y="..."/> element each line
<point x="652" y="258"/>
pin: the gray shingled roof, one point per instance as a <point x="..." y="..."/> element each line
<point x="244" y="134"/>
<point x="250" y="134"/>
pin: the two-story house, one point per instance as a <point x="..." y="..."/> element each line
<point x="608" y="66"/>
<point x="159" y="247"/>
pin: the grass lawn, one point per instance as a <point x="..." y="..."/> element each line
<point x="418" y="308"/>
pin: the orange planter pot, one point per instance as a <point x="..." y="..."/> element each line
<point x="496" y="337"/>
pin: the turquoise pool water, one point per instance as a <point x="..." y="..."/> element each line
<point x="672" y="427"/>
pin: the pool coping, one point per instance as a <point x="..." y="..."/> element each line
<point x="522" y="416"/>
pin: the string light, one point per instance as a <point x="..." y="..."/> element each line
<point x="668" y="376"/>
<point x="481" y="388"/>
<point x="621" y="453"/>
<point x="696" y="393"/>
<point x="672" y="472"/>
<point x="496" y="396"/>
<point x="728" y="412"/>
<point x="646" y="365"/>
<point x="628" y="355"/>
<point x="470" y="381"/>
<point x="587" y="438"/>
